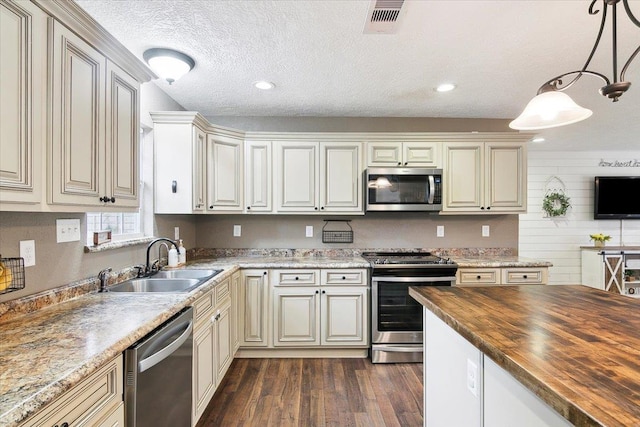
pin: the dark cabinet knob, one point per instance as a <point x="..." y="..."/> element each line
<point x="265" y="273"/>
<point x="399" y="163"/>
<point x="248" y="207"/>
<point x="406" y="163"/>
<point x="316" y="208"/>
<point x="482" y="208"/>
<point x="322" y="208"/>
<point x="316" y="291"/>
<point x="478" y="277"/>
<point x="211" y="207"/>
<point x="344" y="278"/>
<point x="107" y="199"/>
<point x="525" y="276"/>
<point x="488" y="207"/>
<point x="324" y="292"/>
<point x="297" y="278"/>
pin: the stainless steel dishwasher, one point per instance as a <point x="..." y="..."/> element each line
<point x="158" y="370"/>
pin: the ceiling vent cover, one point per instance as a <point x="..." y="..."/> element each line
<point x="383" y="16"/>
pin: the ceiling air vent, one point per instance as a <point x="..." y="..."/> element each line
<point x="383" y="16"/>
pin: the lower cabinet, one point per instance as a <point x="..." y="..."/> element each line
<point x="95" y="401"/>
<point x="212" y="344"/>
<point x="502" y="276"/>
<point x="254" y="309"/>
<point x="320" y="308"/>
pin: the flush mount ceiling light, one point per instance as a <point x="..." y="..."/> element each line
<point x="445" y="87"/>
<point x="551" y="107"/>
<point x="168" y="64"/>
<point x="264" y="85"/>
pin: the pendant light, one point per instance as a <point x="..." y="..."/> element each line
<point x="552" y="107"/>
<point x="168" y="64"/>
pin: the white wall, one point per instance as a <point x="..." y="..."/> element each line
<point x="559" y="240"/>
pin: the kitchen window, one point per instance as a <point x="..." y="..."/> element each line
<point x="123" y="225"/>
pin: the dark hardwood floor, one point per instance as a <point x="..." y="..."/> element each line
<point x="317" y="392"/>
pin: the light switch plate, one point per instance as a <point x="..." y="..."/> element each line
<point x="28" y="252"/>
<point x="472" y="377"/>
<point x="176" y="233"/>
<point x="440" y="231"/>
<point x="237" y="230"/>
<point x="67" y="230"/>
<point x="485" y="231"/>
<point x="309" y="231"/>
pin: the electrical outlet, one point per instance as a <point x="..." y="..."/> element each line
<point x="176" y="233"/>
<point x="485" y="231"/>
<point x="309" y="231"/>
<point x="440" y="231"/>
<point x="28" y="252"/>
<point x="67" y="230"/>
<point x="472" y="377"/>
<point x="237" y="230"/>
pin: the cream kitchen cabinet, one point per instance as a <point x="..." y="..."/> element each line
<point x="318" y="177"/>
<point x="320" y="308"/>
<point x="212" y="343"/>
<point x="95" y="127"/>
<point x="485" y="177"/>
<point x="502" y="276"/>
<point x="236" y="283"/>
<point x="224" y="173"/>
<point x="395" y="153"/>
<point x="95" y="401"/>
<point x="24" y="113"/>
<point x="180" y="157"/>
<point x="253" y="315"/>
<point x="258" y="179"/>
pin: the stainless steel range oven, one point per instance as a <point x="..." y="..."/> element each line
<point x="396" y="318"/>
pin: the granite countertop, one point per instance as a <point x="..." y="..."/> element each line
<point x="283" y="262"/>
<point x="573" y="346"/>
<point x="499" y="262"/>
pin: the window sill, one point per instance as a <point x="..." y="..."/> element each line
<point x="119" y="244"/>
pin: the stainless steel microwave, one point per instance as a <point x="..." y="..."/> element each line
<point x="403" y="189"/>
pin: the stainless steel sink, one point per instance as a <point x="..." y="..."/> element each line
<point x="170" y="281"/>
<point x="185" y="274"/>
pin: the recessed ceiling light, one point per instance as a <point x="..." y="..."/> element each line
<point x="264" y="85"/>
<point x="445" y="87"/>
<point x="538" y="139"/>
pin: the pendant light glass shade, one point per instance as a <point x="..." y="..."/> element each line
<point x="548" y="110"/>
<point x="168" y="64"/>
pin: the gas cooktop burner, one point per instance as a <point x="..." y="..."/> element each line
<point x="405" y="258"/>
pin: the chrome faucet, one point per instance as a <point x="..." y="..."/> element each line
<point x="150" y="268"/>
<point x="102" y="276"/>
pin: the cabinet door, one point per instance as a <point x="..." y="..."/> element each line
<point x="297" y="176"/>
<point x="224" y="171"/>
<point x="506" y="177"/>
<point x="204" y="373"/>
<point x="421" y="153"/>
<point x="340" y="177"/>
<point x="23" y="87"/>
<point x="344" y="314"/>
<point x="123" y="123"/>
<point x="114" y="419"/>
<point x="77" y="160"/>
<point x="381" y="154"/>
<point x="199" y="169"/>
<point x="257" y="192"/>
<point x="223" y="341"/>
<point x="296" y="321"/>
<point x="254" y="309"/>
<point x="235" y="310"/>
<point x="464" y="177"/>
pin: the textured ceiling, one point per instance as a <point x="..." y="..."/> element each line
<point x="497" y="52"/>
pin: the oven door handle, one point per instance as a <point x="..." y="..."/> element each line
<point x="413" y="279"/>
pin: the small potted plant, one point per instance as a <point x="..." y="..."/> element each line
<point x="599" y="239"/>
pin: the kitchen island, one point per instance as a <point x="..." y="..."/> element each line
<point x="573" y="350"/>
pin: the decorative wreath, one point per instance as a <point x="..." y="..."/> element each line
<point x="556" y="204"/>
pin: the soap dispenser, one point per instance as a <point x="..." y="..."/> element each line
<point x="182" y="254"/>
<point x="173" y="257"/>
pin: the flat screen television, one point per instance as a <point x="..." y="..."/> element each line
<point x="617" y="197"/>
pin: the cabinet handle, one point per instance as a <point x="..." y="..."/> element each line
<point x="481" y="207"/>
<point x="211" y="207"/>
<point x="317" y="291"/>
<point x="525" y="276"/>
<point x="316" y="208"/>
<point x="264" y="273"/>
<point x="297" y="278"/>
<point x="248" y="207"/>
<point x="344" y="278"/>
<point x="324" y="292"/>
<point x="478" y="277"/>
<point x="406" y="163"/>
<point x="322" y="208"/>
<point x="488" y="207"/>
<point x="399" y="163"/>
<point x="107" y="199"/>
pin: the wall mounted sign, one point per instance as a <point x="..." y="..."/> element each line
<point x="635" y="163"/>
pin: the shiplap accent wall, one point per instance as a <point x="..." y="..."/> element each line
<point x="559" y="240"/>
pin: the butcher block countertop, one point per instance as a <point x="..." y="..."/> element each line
<point x="576" y="347"/>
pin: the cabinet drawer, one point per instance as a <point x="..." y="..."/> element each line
<point x="296" y="277"/>
<point x="202" y="306"/>
<point x="344" y="277"/>
<point x="223" y="291"/>
<point x="479" y="276"/>
<point x="94" y="397"/>
<point x="524" y="276"/>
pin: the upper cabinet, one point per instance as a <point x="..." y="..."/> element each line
<point x="70" y="90"/>
<point x="225" y="173"/>
<point x="485" y="177"/>
<point x="411" y="154"/>
<point x="316" y="177"/>
<point x="23" y="86"/>
<point x="258" y="184"/>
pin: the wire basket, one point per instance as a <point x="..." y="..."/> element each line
<point x="337" y="236"/>
<point x="11" y="274"/>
